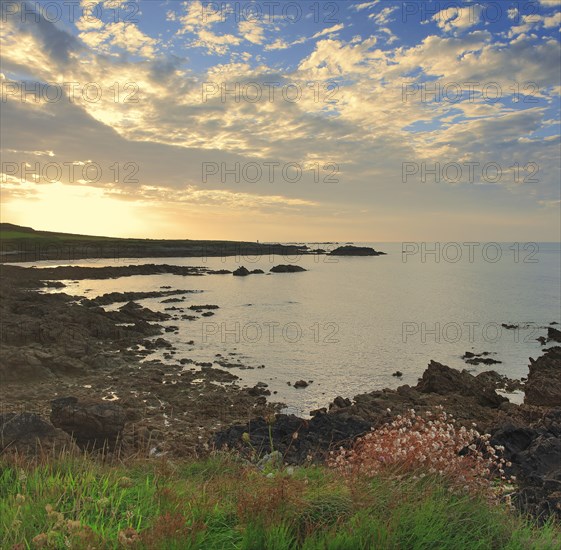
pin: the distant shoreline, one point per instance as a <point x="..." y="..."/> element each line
<point x="25" y="245"/>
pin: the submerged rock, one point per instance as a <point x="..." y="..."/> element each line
<point x="479" y="358"/>
<point x="482" y="361"/>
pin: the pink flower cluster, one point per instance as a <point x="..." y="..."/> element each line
<point x="428" y="444"/>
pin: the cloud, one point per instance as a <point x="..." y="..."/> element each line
<point x="550" y="204"/>
<point x="281" y="44"/>
<point x="123" y="35"/>
<point x="364" y="5"/>
<point x="353" y="117"/>
<point x="383" y="17"/>
<point x="533" y="22"/>
<point x="252" y="31"/>
<point x="330" y="30"/>
<point x="278" y="44"/>
<point x="455" y="18"/>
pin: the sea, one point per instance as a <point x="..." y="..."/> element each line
<point x="347" y="325"/>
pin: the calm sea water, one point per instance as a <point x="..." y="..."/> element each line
<point x="349" y="323"/>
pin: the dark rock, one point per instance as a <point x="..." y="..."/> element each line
<point x="355" y="251"/>
<point x="241" y="272"/>
<point x="158" y="343"/>
<point x="113" y="297"/>
<point x="301" y="384"/>
<point x="133" y="311"/>
<point x="287" y="269"/>
<point x="535" y="454"/>
<point x="509" y="327"/>
<point x="397" y="374"/>
<point x="295" y="438"/>
<point x="553" y="334"/>
<point x="259" y="389"/>
<point x="535" y="501"/>
<point x="443" y="380"/>
<point x="207" y="306"/>
<point x="29" y="433"/>
<point x="482" y="360"/>
<point x="92" y="424"/>
<point x="471" y="355"/>
<point x="543" y="387"/>
<point x="493" y="379"/>
<point x="53" y="284"/>
<point x="340" y="402"/>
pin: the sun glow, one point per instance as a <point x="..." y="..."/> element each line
<point x="64" y="208"/>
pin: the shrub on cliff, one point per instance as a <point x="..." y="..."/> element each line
<point x="429" y="444"/>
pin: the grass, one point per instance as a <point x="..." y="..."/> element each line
<point x="221" y="503"/>
<point x="54" y="237"/>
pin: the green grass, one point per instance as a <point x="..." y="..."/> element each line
<point x="220" y="503"/>
<point x="14" y="235"/>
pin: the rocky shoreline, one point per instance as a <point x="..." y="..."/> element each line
<point x="529" y="433"/>
<point x="68" y="366"/>
<point x="57" y="346"/>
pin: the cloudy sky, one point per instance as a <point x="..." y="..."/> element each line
<point x="277" y="120"/>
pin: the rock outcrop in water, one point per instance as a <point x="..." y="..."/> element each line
<point x="244" y="272"/>
<point x="443" y="380"/>
<point x="355" y="251"/>
<point x="287" y="269"/>
<point x="112" y="297"/>
<point x="553" y="334"/>
<point x="479" y="358"/>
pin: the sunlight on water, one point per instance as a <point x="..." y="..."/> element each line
<point x="347" y="324"/>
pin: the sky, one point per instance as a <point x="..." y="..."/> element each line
<point x="351" y="120"/>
